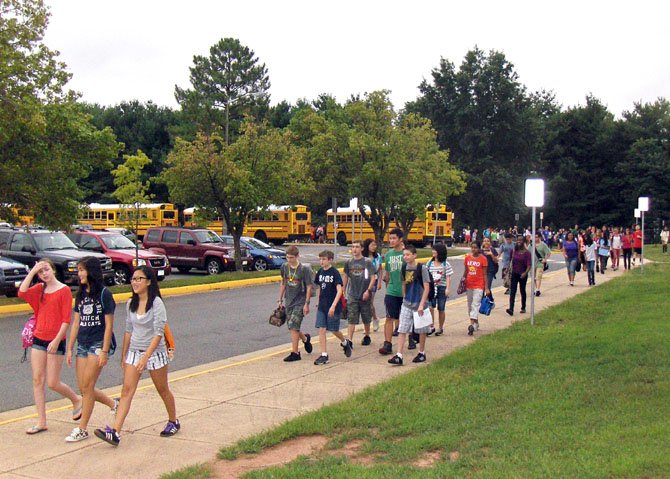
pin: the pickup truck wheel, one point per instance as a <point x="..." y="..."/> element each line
<point x="214" y="266"/>
<point x="260" y="264"/>
<point x="121" y="275"/>
<point x="184" y="269"/>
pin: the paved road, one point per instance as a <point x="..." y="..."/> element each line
<point x="207" y="327"/>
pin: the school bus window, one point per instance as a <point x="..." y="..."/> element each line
<point x="97" y="215"/>
<point x="168" y="215"/>
<point x="442" y="217"/>
<point x="301" y="216"/>
<point x="111" y="216"/>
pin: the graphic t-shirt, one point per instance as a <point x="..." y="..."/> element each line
<point x="414" y="289"/>
<point x="393" y="261"/>
<point x="327" y="281"/>
<point x="51" y="311"/>
<point x="92" y="313"/>
<point x="474" y="267"/>
<point x="297" y="280"/>
<point x="359" y="273"/>
<point x="440" y="273"/>
<point x="603" y="247"/>
<point x="637" y="239"/>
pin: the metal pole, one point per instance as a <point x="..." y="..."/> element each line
<point x="532" y="271"/>
<point x="642" y="254"/>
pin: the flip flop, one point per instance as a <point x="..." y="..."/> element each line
<point x="76" y="413"/>
<point x="36" y="430"/>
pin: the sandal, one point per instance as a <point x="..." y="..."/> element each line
<point x="76" y="412"/>
<point x="36" y="430"/>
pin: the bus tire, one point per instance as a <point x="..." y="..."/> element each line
<point x="213" y="266"/>
<point x="341" y="238"/>
<point x="261" y="236"/>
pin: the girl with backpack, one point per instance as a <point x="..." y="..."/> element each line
<point x="51" y="301"/>
<point x="492" y="259"/>
<point x="143" y="348"/>
<point x="92" y="330"/>
<point x="441" y="271"/>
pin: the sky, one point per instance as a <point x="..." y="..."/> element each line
<point x="123" y="50"/>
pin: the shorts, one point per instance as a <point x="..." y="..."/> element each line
<point x="571" y="264"/>
<point x="42" y="345"/>
<point x="539" y="271"/>
<point x="294" y="317"/>
<point x="407" y="322"/>
<point x="440" y="299"/>
<point x="325" y="321"/>
<point x="83" y="350"/>
<point x="637" y="250"/>
<point x="393" y="304"/>
<point x="362" y="309"/>
<point x="158" y="360"/>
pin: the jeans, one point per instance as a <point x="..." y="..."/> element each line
<point x="518" y="281"/>
<point x="474" y="301"/>
<point x="591" y="266"/>
<point x="571" y="264"/>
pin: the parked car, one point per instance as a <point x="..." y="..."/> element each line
<point x="30" y="246"/>
<point x="12" y="273"/>
<point x="264" y="255"/>
<point x="122" y="251"/>
<point x="188" y="248"/>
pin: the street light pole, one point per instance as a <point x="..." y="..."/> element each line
<point x="534" y="198"/>
<point x="642" y="205"/>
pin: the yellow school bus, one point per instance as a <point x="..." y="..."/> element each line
<point x="436" y="225"/>
<point x="276" y="224"/>
<point x="101" y="216"/>
<point x="23" y="217"/>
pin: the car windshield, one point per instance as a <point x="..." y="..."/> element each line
<point x="117" y="242"/>
<point x="207" y="237"/>
<point x="53" y="241"/>
<point x="257" y="243"/>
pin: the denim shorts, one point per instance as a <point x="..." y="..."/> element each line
<point x="440" y="299"/>
<point x="571" y="264"/>
<point x="325" y="321"/>
<point x="42" y="345"/>
<point x="83" y="350"/>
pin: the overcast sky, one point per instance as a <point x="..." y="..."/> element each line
<point x="139" y="49"/>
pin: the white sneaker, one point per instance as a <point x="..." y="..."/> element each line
<point x="477" y="326"/>
<point x="77" y="435"/>
<point x="375" y="325"/>
<point x="114" y="408"/>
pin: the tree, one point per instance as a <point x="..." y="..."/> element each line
<point x="225" y="86"/>
<point x="47" y="144"/>
<point x="260" y="168"/>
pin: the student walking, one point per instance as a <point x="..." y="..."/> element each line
<point x="415" y="287"/>
<point x="295" y="292"/>
<point x="627" y="248"/>
<point x="665" y="236"/>
<point x="370" y="251"/>
<point x="92" y="331"/>
<point x="393" y="261"/>
<point x="143" y="348"/>
<point x="475" y="283"/>
<point x="506" y="250"/>
<point x="603" y="252"/>
<point x="359" y="281"/>
<point x="441" y="271"/>
<point x="329" y="308"/>
<point x="570" y="253"/>
<point x="591" y="259"/>
<point x="542" y="254"/>
<point x="51" y="302"/>
<point x="615" y="243"/>
<point x="491" y="255"/>
<point x="637" y="244"/>
<point x="521" y="265"/>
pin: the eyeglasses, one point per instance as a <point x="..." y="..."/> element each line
<point x="138" y="279"/>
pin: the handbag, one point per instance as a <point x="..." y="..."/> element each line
<point x="486" y="306"/>
<point x="278" y="316"/>
<point x="461" y="286"/>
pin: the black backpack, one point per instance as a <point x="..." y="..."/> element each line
<point x="418" y="276"/>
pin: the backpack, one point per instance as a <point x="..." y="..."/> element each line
<point x="418" y="274"/>
<point x="27" y="336"/>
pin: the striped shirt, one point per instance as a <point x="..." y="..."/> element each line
<point x="440" y="272"/>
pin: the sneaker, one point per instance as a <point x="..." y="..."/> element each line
<point x="108" y="435"/>
<point x="396" y="360"/>
<point x="293" y="357"/>
<point x="387" y="348"/>
<point x="347" y="348"/>
<point x="419" y="358"/>
<point x="431" y="332"/>
<point x="171" y="428"/>
<point x="537" y="293"/>
<point x="77" y="435"/>
<point x="308" y="344"/>
<point x="375" y="324"/>
<point x="522" y="310"/>
<point x="439" y="332"/>
<point x="509" y="311"/>
<point x="321" y="360"/>
<point x="366" y="341"/>
<point x="395" y="332"/>
<point x="477" y="326"/>
<point x="412" y="343"/>
<point x="114" y="408"/>
<point x="471" y="330"/>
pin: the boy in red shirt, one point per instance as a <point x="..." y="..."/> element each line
<point x="475" y="283"/>
<point x="637" y="244"/>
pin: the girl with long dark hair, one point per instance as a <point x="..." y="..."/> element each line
<point x="521" y="265"/>
<point x="143" y="348"/>
<point x="571" y="252"/>
<point x="441" y="271"/>
<point x="370" y="251"/>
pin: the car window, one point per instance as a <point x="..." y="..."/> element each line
<point x="117" y="241"/>
<point x="257" y="243"/>
<point x="153" y="235"/>
<point x="89" y="242"/>
<point x="19" y="241"/>
<point x="184" y="237"/>
<point x="4" y="238"/>
<point x="207" y="236"/>
<point x="169" y="236"/>
<point x="53" y="241"/>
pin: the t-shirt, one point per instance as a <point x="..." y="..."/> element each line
<point x="521" y="261"/>
<point x="327" y="280"/>
<point x="393" y="261"/>
<point x="414" y="289"/>
<point x="143" y="329"/>
<point x="627" y="241"/>
<point x="603" y="247"/>
<point x="491" y="271"/>
<point x="542" y="250"/>
<point x="637" y="239"/>
<point x="590" y="252"/>
<point x="440" y="273"/>
<point x="506" y="254"/>
<point x="51" y="313"/>
<point x="474" y="268"/>
<point x="571" y="249"/>
<point x="616" y="241"/>
<point x="92" y="313"/>
<point x="296" y="280"/>
<point x="359" y="273"/>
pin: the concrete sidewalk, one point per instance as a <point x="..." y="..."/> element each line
<point x="222" y="402"/>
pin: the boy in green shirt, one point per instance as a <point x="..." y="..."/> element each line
<point x="393" y="261"/>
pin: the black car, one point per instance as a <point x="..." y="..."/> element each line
<point x="12" y="273"/>
<point x="30" y="246"/>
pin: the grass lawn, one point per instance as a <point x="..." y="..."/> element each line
<point x="585" y="393"/>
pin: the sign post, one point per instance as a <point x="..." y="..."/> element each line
<point x="534" y="197"/>
<point x="642" y="205"/>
